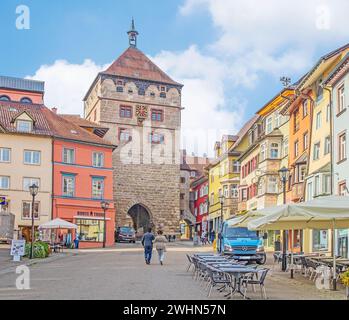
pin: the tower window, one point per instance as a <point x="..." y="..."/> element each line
<point x="125" y="112"/>
<point x="157" y="115"/>
<point x="124" y="135"/>
<point x="157" y="138"/>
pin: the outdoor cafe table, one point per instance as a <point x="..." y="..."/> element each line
<point x="237" y="274"/>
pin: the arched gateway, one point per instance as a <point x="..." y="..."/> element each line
<point x="141" y="218"/>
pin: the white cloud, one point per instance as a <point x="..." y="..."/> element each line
<point x="206" y="115"/>
<point x="273" y="36"/>
<point x="66" y="84"/>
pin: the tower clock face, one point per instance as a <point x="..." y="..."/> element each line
<point x="141" y="112"/>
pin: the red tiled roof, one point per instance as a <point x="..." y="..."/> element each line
<point x="80" y="121"/>
<point x="47" y="123"/>
<point x="65" y="129"/>
<point x="10" y="110"/>
<point x="133" y="63"/>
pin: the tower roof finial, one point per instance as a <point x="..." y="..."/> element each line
<point x="132" y="34"/>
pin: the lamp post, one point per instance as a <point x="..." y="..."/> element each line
<point x="33" y="189"/>
<point x="105" y="206"/>
<point x="221" y="200"/>
<point x="284" y="174"/>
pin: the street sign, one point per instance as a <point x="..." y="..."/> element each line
<point x="17" y="249"/>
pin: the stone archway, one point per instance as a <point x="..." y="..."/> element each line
<point x="141" y="218"/>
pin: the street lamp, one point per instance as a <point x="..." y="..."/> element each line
<point x="105" y="206"/>
<point x="221" y="200"/>
<point x="33" y="189"/>
<point x="284" y="175"/>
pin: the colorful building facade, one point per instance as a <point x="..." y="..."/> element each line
<point x="338" y="82"/>
<point x="199" y="190"/>
<point x="82" y="179"/>
<point x="25" y="154"/>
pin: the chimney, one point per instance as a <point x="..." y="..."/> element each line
<point x="54" y="110"/>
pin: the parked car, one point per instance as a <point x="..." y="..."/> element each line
<point x="125" y="234"/>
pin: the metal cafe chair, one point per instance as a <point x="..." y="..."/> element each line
<point x="260" y="281"/>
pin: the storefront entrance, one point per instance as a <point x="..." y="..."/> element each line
<point x="141" y="218"/>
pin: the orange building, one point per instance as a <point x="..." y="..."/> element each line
<point x="82" y="179"/>
<point x="21" y="90"/>
<point x="300" y="112"/>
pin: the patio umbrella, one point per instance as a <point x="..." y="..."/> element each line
<point x="243" y="221"/>
<point x="58" y="224"/>
<point x="322" y="213"/>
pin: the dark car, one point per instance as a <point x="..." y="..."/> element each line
<point x="125" y="234"/>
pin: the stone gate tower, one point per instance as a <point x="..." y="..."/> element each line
<point x="141" y="107"/>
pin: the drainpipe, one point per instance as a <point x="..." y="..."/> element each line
<point x="332" y="137"/>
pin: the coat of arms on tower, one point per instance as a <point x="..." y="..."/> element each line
<point x="141" y="113"/>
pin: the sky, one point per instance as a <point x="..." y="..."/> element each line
<point x="229" y="54"/>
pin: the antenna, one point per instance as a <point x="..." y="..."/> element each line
<point x="286" y="81"/>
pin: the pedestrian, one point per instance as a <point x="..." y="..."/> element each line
<point x="160" y="246"/>
<point x="77" y="241"/>
<point x="213" y="236"/>
<point x="147" y="242"/>
<point x="204" y="238"/>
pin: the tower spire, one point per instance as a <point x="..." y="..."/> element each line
<point x="132" y="35"/>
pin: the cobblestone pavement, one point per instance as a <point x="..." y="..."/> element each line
<point x="120" y="273"/>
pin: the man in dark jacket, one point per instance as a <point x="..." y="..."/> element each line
<point x="147" y="242"/>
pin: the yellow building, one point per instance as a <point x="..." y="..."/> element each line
<point x="224" y="176"/>
<point x="25" y="159"/>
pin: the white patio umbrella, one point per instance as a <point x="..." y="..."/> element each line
<point x="322" y="213"/>
<point x="58" y="224"/>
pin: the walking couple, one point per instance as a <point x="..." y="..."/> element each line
<point x="149" y="240"/>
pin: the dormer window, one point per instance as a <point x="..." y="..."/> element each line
<point x="163" y="95"/>
<point x="130" y="91"/>
<point x="24" y="126"/>
<point x="119" y="89"/>
<point x="26" y="100"/>
<point x="152" y="94"/>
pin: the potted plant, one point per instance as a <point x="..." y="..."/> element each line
<point x="345" y="280"/>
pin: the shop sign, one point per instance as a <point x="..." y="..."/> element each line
<point x="91" y="214"/>
<point x="17" y="249"/>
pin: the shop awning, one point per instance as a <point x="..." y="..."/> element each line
<point x="58" y="224"/>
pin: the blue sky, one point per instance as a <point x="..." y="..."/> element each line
<point x="229" y="54"/>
